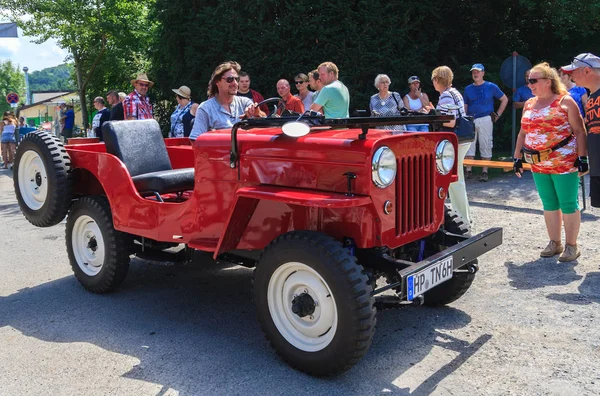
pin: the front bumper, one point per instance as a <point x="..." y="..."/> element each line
<point x="462" y="253"/>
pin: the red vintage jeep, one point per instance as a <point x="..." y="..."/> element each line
<point x="330" y="220"/>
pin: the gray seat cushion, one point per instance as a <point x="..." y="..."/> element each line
<point x="165" y="181"/>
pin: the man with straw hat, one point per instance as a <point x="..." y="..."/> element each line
<point x="136" y="105"/>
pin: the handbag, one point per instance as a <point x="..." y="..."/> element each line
<point x="465" y="126"/>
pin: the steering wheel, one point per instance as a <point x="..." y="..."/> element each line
<point x="270" y="100"/>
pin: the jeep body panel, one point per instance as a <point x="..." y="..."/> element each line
<point x="281" y="184"/>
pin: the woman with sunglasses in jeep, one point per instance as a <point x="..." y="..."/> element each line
<point x="553" y="140"/>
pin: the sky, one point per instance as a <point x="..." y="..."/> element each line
<point x="35" y="56"/>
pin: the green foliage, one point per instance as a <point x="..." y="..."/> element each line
<point x="275" y="39"/>
<point x="11" y="80"/>
<point x="89" y="30"/>
<point x="58" y="78"/>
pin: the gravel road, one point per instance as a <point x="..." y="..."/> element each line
<point x="527" y="326"/>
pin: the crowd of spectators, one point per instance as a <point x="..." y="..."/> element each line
<point x="555" y="104"/>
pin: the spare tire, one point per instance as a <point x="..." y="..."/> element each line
<point x="42" y="179"/>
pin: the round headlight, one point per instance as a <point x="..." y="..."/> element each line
<point x="383" y="167"/>
<point x="444" y="157"/>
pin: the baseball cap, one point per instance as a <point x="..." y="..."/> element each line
<point x="412" y="79"/>
<point x="582" y="60"/>
<point x="477" y="66"/>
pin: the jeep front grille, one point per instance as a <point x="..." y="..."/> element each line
<point x="415" y="193"/>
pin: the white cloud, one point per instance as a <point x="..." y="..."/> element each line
<point x="9" y="47"/>
<point x="24" y="52"/>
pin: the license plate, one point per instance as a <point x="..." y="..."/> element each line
<point x="428" y="278"/>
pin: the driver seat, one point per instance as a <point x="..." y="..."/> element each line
<point x="139" y="144"/>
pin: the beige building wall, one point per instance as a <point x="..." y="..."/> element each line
<point x="50" y="109"/>
<point x="44" y="96"/>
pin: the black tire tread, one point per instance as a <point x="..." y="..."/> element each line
<point x="58" y="164"/>
<point x="116" y="264"/>
<point x="364" y="311"/>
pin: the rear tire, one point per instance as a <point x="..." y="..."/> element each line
<point x="98" y="253"/>
<point x="314" y="303"/>
<point x="453" y="289"/>
<point x="42" y="179"/>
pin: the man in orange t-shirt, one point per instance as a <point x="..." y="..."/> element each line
<point x="292" y="103"/>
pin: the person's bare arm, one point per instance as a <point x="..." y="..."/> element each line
<point x="405" y="100"/>
<point x="424" y="100"/>
<point x="576" y="123"/>
<point x="517" y="154"/>
<point x="584" y="99"/>
<point x="518" y="105"/>
<point x="316" y="107"/>
<point x="503" y="104"/>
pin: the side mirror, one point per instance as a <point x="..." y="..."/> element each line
<point x="295" y="129"/>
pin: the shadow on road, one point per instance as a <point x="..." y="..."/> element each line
<point x="194" y="330"/>
<point x="9" y="209"/>
<point x="589" y="292"/>
<point x="541" y="273"/>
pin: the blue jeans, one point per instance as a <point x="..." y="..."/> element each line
<point x="418" y="128"/>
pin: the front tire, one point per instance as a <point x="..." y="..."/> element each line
<point x="314" y="303"/>
<point x="97" y="252"/>
<point x="456" y="287"/>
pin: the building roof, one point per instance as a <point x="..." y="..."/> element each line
<point x="48" y="100"/>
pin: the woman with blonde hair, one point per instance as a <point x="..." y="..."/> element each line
<point x="553" y="140"/>
<point x="8" y="141"/>
<point x="442" y="77"/>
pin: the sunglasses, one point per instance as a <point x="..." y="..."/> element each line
<point x="535" y="80"/>
<point x="231" y="79"/>
<point x="143" y="85"/>
<point x="299" y="82"/>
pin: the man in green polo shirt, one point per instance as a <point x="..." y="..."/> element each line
<point x="333" y="100"/>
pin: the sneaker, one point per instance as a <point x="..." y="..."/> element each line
<point x="571" y="253"/>
<point x="552" y="249"/>
<point x="484" y="177"/>
<point x="468" y="174"/>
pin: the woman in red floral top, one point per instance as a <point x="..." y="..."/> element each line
<point x="553" y="140"/>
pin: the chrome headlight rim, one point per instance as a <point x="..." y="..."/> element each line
<point x="377" y="170"/>
<point x="444" y="161"/>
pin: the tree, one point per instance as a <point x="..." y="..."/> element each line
<point x="58" y="78"/>
<point x="275" y="39"/>
<point x="11" y="80"/>
<point x="88" y="29"/>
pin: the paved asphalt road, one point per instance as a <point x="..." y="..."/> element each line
<point x="526" y="327"/>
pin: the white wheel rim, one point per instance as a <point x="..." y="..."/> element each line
<point x="33" y="180"/>
<point x="310" y="333"/>
<point x="88" y="245"/>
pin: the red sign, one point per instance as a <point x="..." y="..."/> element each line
<point x="12" y="98"/>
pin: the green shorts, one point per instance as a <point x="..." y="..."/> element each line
<point x="558" y="191"/>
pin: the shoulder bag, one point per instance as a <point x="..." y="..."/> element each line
<point x="465" y="127"/>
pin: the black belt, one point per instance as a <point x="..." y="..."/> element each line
<point x="560" y="144"/>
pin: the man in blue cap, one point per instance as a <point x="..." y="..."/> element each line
<point x="585" y="71"/>
<point x="479" y="103"/>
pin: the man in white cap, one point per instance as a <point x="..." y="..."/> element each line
<point x="585" y="71"/>
<point x="136" y="105"/>
<point x="479" y="104"/>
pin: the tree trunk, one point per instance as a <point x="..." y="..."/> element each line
<point x="81" y="89"/>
